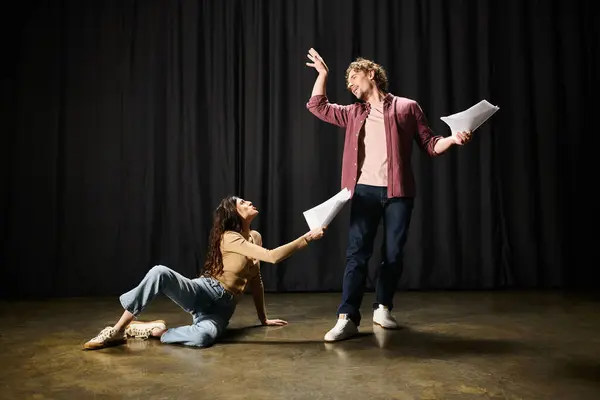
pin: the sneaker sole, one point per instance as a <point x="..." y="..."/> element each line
<point x="338" y="340"/>
<point x="386" y="327"/>
<point x="98" y="346"/>
<point x="341" y="339"/>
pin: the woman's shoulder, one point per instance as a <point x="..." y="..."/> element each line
<point x="233" y="235"/>
<point x="256" y="236"/>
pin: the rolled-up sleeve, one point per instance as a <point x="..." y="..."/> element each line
<point x="332" y="113"/>
<point x="424" y="135"/>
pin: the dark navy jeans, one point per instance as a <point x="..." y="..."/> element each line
<point x="369" y="205"/>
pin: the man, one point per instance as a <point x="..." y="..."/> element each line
<point x="377" y="169"/>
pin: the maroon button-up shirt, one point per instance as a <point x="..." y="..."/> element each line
<point x="403" y="120"/>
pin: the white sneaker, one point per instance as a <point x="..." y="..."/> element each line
<point x="144" y="330"/>
<point x="109" y="336"/>
<point x="383" y="318"/>
<point x="343" y="329"/>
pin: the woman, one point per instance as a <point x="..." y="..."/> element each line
<point x="232" y="264"/>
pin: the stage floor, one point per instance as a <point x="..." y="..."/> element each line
<point x="453" y="345"/>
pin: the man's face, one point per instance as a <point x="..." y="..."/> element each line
<point x="361" y="83"/>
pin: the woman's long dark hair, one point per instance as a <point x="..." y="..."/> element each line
<point x="226" y="218"/>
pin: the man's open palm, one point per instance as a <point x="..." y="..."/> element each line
<point x="317" y="62"/>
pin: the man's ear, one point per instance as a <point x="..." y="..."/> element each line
<point x="371" y="74"/>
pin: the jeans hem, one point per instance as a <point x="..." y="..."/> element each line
<point x="128" y="307"/>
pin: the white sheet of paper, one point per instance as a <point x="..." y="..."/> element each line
<point x="325" y="212"/>
<point x="470" y="119"/>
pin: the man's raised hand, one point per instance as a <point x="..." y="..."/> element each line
<point x="317" y="62"/>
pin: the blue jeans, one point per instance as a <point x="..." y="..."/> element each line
<point x="205" y="298"/>
<point x="368" y="205"/>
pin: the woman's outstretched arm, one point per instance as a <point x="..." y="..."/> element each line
<point x="236" y="243"/>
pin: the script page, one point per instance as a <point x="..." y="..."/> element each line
<point x="325" y="212"/>
<point x="472" y="118"/>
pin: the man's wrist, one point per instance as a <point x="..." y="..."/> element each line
<point x="444" y="144"/>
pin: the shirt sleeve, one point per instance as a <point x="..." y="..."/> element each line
<point x="331" y="113"/>
<point x="424" y="135"/>
<point x="236" y="243"/>
<point x="256" y="280"/>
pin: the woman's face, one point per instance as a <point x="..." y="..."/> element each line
<point x="246" y="210"/>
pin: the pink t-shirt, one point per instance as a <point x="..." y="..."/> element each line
<point x="372" y="150"/>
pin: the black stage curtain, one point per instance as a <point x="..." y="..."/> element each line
<point x="125" y="122"/>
